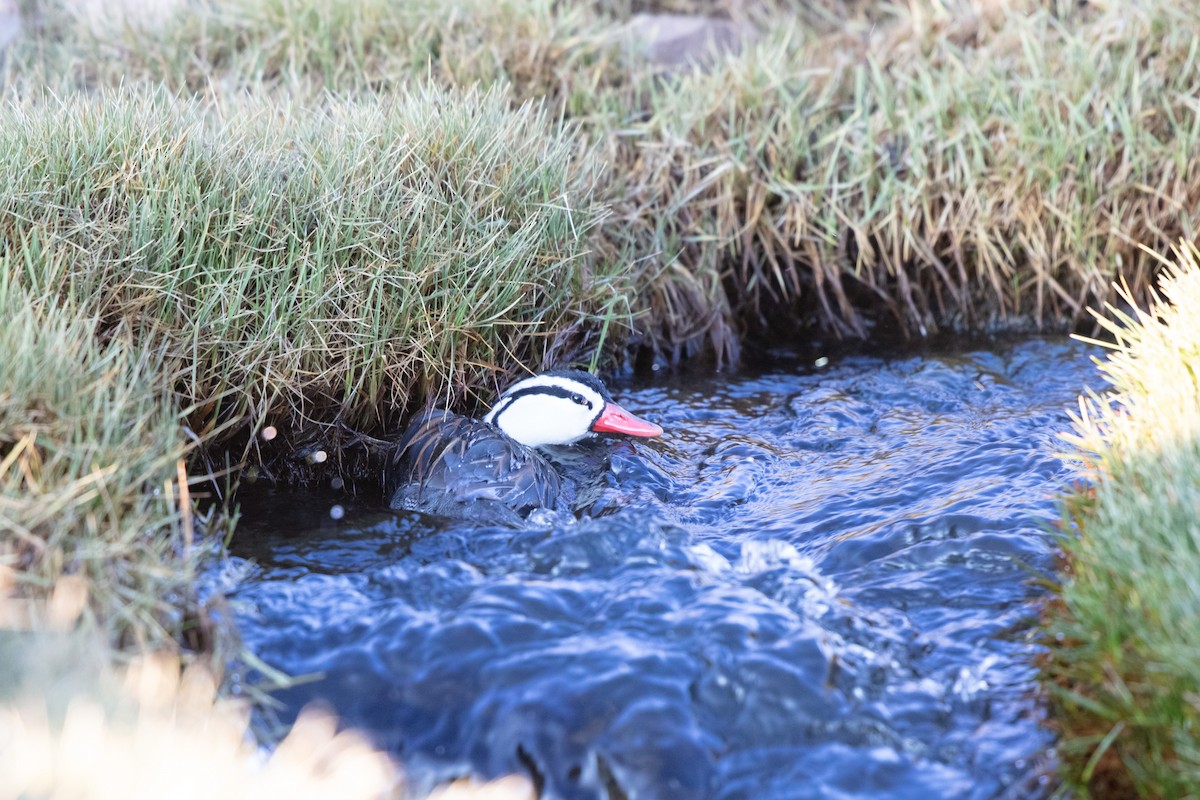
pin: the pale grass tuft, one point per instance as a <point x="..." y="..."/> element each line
<point x="1152" y="406"/>
<point x="74" y="725"/>
<point x="1123" y="639"/>
<point x="511" y="787"/>
<point x="181" y="743"/>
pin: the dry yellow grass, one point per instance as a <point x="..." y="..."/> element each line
<point x="987" y="166"/>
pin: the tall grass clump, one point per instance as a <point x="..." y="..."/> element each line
<point x="92" y="478"/>
<point x="1123" y="637"/>
<point x="904" y="167"/>
<point x="919" y="175"/>
<point x="314" y="268"/>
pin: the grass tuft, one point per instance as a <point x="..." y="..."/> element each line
<point x="326" y="268"/>
<point x="969" y="170"/>
<point x="303" y="47"/>
<point x="1124" y="639"/>
<point x="90" y="460"/>
<point x="909" y="167"/>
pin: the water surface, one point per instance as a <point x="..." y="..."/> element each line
<point x="817" y="584"/>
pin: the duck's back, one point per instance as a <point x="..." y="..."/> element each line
<point x="451" y="465"/>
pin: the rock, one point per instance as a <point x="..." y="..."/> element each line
<point x="10" y="22"/>
<point x="672" y="40"/>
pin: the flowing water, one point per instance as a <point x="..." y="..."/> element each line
<point x="818" y="584"/>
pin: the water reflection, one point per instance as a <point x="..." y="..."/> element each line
<point x="815" y="586"/>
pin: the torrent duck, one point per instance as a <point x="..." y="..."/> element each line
<point x="502" y="467"/>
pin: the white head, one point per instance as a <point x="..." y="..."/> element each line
<point x="562" y="407"/>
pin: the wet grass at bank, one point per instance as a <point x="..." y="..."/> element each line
<point x="313" y="216"/>
<point x="89" y="479"/>
<point x="984" y="166"/>
<point x="320" y="269"/>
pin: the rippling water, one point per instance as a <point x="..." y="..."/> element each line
<point x="818" y="584"/>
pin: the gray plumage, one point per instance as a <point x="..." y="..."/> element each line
<point x="455" y="466"/>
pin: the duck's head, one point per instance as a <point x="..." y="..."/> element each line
<point x="562" y="407"/>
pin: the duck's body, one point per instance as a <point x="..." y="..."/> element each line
<point x="496" y="468"/>
<point x="457" y="466"/>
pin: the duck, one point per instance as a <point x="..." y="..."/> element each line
<point x="504" y="466"/>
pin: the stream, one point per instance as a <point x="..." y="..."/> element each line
<point x="818" y="584"/>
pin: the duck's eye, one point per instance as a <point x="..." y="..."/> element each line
<point x="581" y="400"/>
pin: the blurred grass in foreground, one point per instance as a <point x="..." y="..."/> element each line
<point x="74" y="725"/>
<point x="1123" y="636"/>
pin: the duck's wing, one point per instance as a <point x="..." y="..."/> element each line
<point x="446" y="462"/>
<point x="417" y="450"/>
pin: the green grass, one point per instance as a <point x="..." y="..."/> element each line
<point x="918" y="168"/>
<point x="304" y="47"/>
<point x="1124" y="638"/>
<point x="320" y="269"/>
<point x="89" y="462"/>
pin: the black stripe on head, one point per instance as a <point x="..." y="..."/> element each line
<point x="586" y="378"/>
<point x="553" y="391"/>
<point x="501" y="406"/>
<point x="509" y="398"/>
